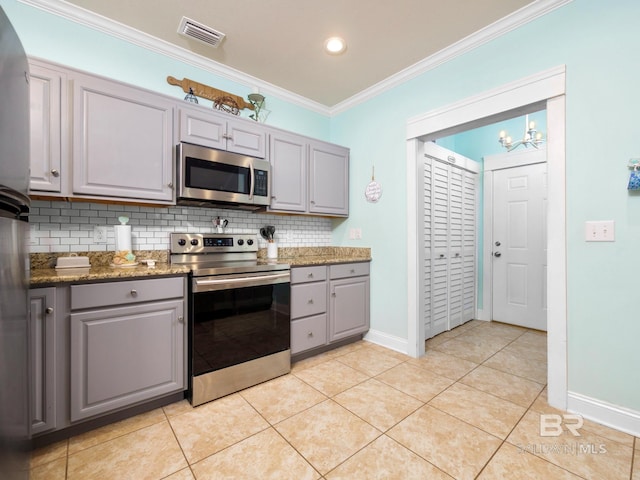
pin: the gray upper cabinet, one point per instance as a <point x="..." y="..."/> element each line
<point x="308" y="176"/>
<point x="218" y="130"/>
<point x="49" y="128"/>
<point x="42" y="358"/>
<point x="328" y="179"/>
<point x="288" y="157"/>
<point x="122" y="141"/>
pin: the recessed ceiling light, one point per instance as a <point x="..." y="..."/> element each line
<point x="335" y="45"/>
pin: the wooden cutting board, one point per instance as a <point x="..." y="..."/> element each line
<point x="205" y="91"/>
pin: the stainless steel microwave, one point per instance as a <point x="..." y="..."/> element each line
<point x="209" y="177"/>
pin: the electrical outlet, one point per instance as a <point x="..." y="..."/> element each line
<point x="355" y="233"/>
<point x="99" y="234"/>
<point x="603" y="231"/>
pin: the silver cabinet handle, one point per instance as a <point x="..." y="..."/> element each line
<point x="353" y="270"/>
<point x="55" y="173"/>
<point x="310" y="334"/>
<point x="310" y="275"/>
<point x="310" y="302"/>
<point x="48" y="310"/>
<point x="170" y="184"/>
<point x="333" y="294"/>
<point x="181" y="319"/>
<point x="457" y="254"/>
<point x="134" y="293"/>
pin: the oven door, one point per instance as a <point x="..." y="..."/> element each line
<point x="238" y="318"/>
<point x="217" y="176"/>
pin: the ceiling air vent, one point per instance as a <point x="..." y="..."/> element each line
<point x="198" y="31"/>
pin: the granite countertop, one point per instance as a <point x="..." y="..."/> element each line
<point x="306" y="256"/>
<point x="43" y="272"/>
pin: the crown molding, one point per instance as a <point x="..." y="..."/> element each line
<point x="115" y="29"/>
<point x="97" y="22"/>
<point x="510" y="22"/>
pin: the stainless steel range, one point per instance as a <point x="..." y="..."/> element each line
<point x="240" y="326"/>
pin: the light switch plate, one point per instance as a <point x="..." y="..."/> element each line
<point x="602" y="231"/>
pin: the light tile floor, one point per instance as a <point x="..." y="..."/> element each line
<point x="470" y="408"/>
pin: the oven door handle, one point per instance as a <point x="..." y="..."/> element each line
<point x="207" y="285"/>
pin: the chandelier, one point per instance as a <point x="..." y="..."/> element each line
<point x="531" y="137"/>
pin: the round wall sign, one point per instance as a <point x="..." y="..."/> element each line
<point x="373" y="192"/>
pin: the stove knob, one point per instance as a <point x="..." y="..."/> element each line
<point x="249" y="242"/>
<point x="194" y="242"/>
<point x="240" y="241"/>
<point x="182" y="242"/>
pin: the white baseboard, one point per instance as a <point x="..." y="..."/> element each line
<point x="389" y="341"/>
<point x="620" y="418"/>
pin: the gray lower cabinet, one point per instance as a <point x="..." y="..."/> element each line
<point x="328" y="304"/>
<point x="42" y="358"/>
<point x="308" y="308"/>
<point x="348" y="300"/>
<point x="127" y="344"/>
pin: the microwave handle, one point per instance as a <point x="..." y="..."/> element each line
<point x="253" y="180"/>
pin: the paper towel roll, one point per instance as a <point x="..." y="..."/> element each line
<point x="123" y="237"/>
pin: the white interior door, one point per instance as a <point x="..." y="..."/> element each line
<point x="519" y="246"/>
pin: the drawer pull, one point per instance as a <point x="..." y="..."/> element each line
<point x="310" y="301"/>
<point x="310" y="275"/>
<point x="134" y="293"/>
<point x="48" y="310"/>
<point x="353" y="270"/>
<point x="333" y="294"/>
<point x="310" y="334"/>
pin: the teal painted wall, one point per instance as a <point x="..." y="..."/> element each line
<point x="596" y="40"/>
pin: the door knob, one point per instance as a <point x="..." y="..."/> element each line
<point x="55" y="173"/>
<point x="497" y="254"/>
<point x="49" y="310"/>
<point x="498" y="244"/>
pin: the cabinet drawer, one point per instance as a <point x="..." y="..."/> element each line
<point x="308" y="333"/>
<point x="346" y="270"/>
<point x="308" y="299"/>
<point x="122" y="293"/>
<point x="308" y="274"/>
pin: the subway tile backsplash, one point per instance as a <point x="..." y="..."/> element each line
<point x="58" y="226"/>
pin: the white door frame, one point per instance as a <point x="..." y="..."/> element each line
<point x="491" y="163"/>
<point x="543" y="90"/>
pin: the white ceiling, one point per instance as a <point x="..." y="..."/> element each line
<point x="281" y="41"/>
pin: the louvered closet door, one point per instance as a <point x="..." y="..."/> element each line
<point x="469" y="229"/>
<point x="440" y="248"/>
<point x="426" y="249"/>
<point x="455" y="246"/>
<point x="449" y="240"/>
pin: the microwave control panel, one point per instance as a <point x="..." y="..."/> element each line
<point x="262" y="183"/>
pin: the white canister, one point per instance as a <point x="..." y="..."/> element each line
<point x="272" y="250"/>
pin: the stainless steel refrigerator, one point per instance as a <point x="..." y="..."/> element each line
<point x="14" y="260"/>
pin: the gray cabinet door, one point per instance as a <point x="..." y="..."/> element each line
<point x="349" y="307"/>
<point x="328" y="179"/>
<point x="122" y="356"/>
<point x="288" y="157"/>
<point x="42" y="358"/>
<point x="215" y="130"/>
<point x="49" y="129"/>
<point x="122" y="141"/>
